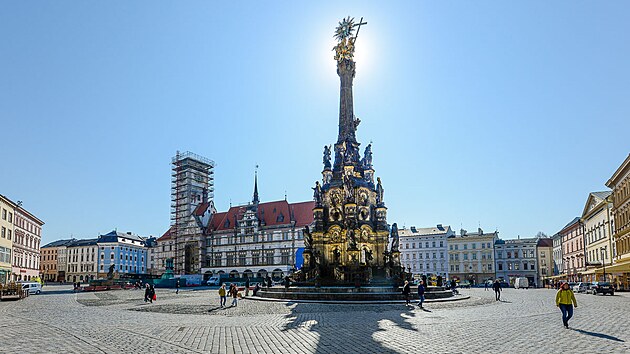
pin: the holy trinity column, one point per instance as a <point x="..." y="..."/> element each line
<point x="350" y="241"/>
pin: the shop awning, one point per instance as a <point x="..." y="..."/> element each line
<point x="559" y="276"/>
<point x="623" y="267"/>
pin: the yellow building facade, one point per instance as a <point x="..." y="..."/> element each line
<point x="599" y="248"/>
<point x="620" y="185"/>
<point x="7" y="214"/>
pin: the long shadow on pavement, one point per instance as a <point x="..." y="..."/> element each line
<point x="598" y="335"/>
<point x="359" y="334"/>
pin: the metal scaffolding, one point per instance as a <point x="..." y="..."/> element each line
<point x="192" y="184"/>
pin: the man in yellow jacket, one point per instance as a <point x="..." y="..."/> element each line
<point x="222" y="295"/>
<point x="565" y="300"/>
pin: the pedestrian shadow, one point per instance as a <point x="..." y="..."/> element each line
<point x="505" y="301"/>
<point x="315" y="318"/>
<point x="215" y="309"/>
<point x="598" y="335"/>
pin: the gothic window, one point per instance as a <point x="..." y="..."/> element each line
<point x="280" y="218"/>
<point x="226" y="224"/>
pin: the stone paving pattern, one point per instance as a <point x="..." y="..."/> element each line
<point x="527" y="321"/>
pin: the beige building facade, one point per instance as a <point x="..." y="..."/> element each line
<point x="164" y="249"/>
<point x="7" y="213"/>
<point x="544" y="250"/>
<point x="53" y="260"/>
<point x="620" y="185"/>
<point x="471" y="256"/>
<point x="599" y="248"/>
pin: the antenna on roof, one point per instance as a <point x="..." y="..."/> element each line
<point x="285" y="194"/>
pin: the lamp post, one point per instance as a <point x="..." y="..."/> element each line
<point x="603" y="249"/>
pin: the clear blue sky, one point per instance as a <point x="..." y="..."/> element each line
<point x="495" y="113"/>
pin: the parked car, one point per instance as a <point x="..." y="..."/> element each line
<point x="602" y="287"/>
<point x="32" y="287"/>
<point x="581" y="287"/>
<point x="213" y="281"/>
<point x="464" y="284"/>
<point x="521" y="283"/>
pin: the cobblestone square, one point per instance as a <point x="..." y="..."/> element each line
<point x="526" y="321"/>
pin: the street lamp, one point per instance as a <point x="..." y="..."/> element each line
<point x="603" y="249"/>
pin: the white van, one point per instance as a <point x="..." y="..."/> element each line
<point x="32" y="287"/>
<point x="521" y="283"/>
<point x="213" y="281"/>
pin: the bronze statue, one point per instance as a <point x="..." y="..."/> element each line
<point x="110" y="274"/>
<point x="308" y="239"/>
<point x="336" y="255"/>
<point x="395" y="239"/>
<point x="367" y="156"/>
<point x="348" y="186"/>
<point x="327" y="157"/>
<point x="317" y="193"/>
<point x="352" y="241"/>
<point x="379" y="191"/>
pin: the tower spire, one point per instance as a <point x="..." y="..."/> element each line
<point x="256" y="200"/>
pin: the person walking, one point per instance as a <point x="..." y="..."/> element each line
<point x="485" y="285"/>
<point x="269" y="284"/>
<point x="406" y="291"/>
<point x="247" y="286"/>
<point x="421" y="294"/>
<point x="234" y="293"/>
<point x="152" y="296"/>
<point x="177" y="287"/>
<point x="497" y="290"/>
<point x="565" y="300"/>
<point x="222" y="295"/>
<point x="147" y="292"/>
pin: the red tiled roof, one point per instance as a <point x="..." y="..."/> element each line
<point x="167" y="234"/>
<point x="272" y="213"/>
<point x="201" y="209"/>
<point x="303" y="213"/>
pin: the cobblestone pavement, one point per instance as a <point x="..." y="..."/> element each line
<point x="119" y="321"/>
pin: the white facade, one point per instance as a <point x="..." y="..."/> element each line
<point x="27" y="237"/>
<point x="425" y="250"/>
<point x="82" y="261"/>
